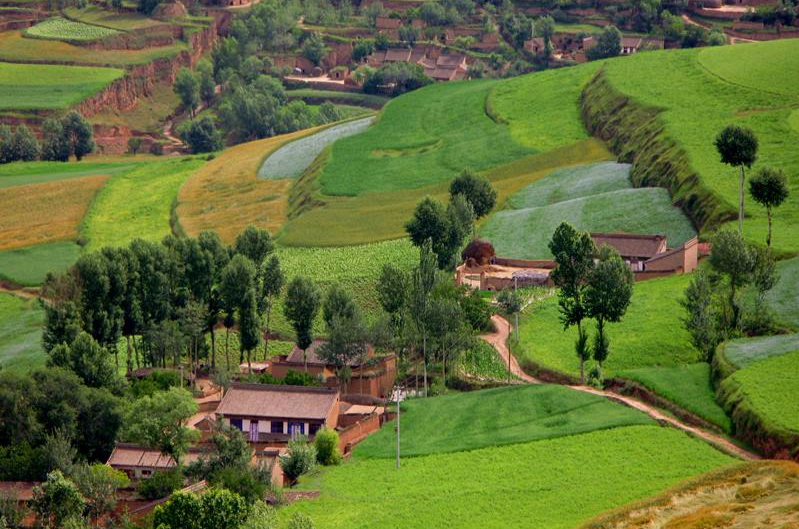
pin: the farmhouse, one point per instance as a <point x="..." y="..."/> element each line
<point x="649" y="252"/>
<point x="437" y="66"/>
<point x="373" y="376"/>
<point x="139" y="462"/>
<point x="273" y="414"/>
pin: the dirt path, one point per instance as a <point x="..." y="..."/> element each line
<point x="20" y="292"/>
<point x="499" y="341"/>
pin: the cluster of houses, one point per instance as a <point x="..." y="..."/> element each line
<point x="574" y="47"/>
<point x="648" y="256"/>
<point x="437" y="66"/>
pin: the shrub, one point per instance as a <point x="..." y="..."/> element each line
<point x="243" y="482"/>
<point x="160" y="484"/>
<point x="300" y="459"/>
<point x="300" y="378"/>
<point x="157" y="148"/>
<point x="300" y="521"/>
<point x="326" y="443"/>
<point x="201" y="135"/>
<point x="134" y="144"/>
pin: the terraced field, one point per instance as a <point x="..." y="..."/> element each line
<point x="746" y="351"/>
<point x="45" y="87"/>
<point x="58" y="28"/>
<point x="20" y="334"/>
<point x="29" y="266"/>
<point x="782" y="298"/>
<point x="595" y="198"/>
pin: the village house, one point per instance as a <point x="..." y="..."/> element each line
<point x="275" y="413"/>
<point x="649" y="252"/>
<point x="630" y="45"/>
<point x="439" y="67"/>
<point x="139" y="462"/>
<point x="373" y="376"/>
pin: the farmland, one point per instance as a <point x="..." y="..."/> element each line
<point x="29" y="266"/>
<point x="747" y="351"/>
<point x="521" y="485"/>
<point x="39" y="213"/>
<point x="125" y="21"/>
<point x="491" y="418"/>
<point x="137" y="204"/>
<point x="25" y="173"/>
<point x="20" y="334"/>
<point x="58" y="28"/>
<point x="524" y="231"/>
<point x="782" y="298"/>
<point x="31" y="86"/>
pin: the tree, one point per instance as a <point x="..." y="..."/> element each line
<point x="301" y="306"/>
<point x="6" y="144"/>
<point x="254" y="243"/>
<point x="300" y="521"/>
<point x="511" y="303"/>
<point x="423" y="279"/>
<point x="460" y="215"/>
<point x="477" y="190"/>
<point x="443" y="227"/>
<point x="574" y="255"/>
<point x="55" y="145"/>
<point x="326" y="443"/>
<point x="408" y="34"/>
<point x="372" y="12"/>
<point x="24" y="147"/>
<point x="237" y="279"/>
<point x="158" y="421"/>
<point x="703" y="313"/>
<point x="300" y="459"/>
<point x="362" y="49"/>
<point x="187" y="88"/>
<point x="249" y="328"/>
<point x="735" y="260"/>
<point x="98" y="483"/>
<point x="610" y="288"/>
<point x="201" y="135"/>
<point x="134" y="144"/>
<point x="314" y="48"/>
<point x="769" y="188"/>
<point x="206" y="82"/>
<point x="392" y="292"/>
<point x="57" y="501"/>
<point x="223" y="509"/>
<point x="737" y="147"/>
<point x="182" y="511"/>
<point x="347" y="344"/>
<point x="87" y="359"/>
<point x="261" y="516"/>
<point x="271" y="285"/>
<point x="608" y="44"/>
<point x="79" y="134"/>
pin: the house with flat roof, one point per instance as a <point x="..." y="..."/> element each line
<point x="269" y="413"/>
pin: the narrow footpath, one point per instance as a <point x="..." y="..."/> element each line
<point x="499" y="341"/>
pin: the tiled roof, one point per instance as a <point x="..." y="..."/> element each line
<point x="295" y="357"/>
<point x="632" y="245"/>
<point x="398" y="54"/>
<point x="125" y="455"/>
<point x="265" y="400"/>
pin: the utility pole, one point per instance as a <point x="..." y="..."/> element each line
<point x="398" y="426"/>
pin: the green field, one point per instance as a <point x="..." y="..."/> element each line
<point x="783" y="298"/>
<point x="552" y="484"/>
<point x="125" y="21"/>
<point x="650" y="335"/>
<point x="423" y="138"/>
<point x="569" y="196"/>
<point x="29" y="266"/>
<point x="688" y="386"/>
<point x="350" y="98"/>
<point x="58" y="28"/>
<point x="137" y="203"/>
<point x="746" y="351"/>
<point x="20" y="334"/>
<point x="24" y="173"/>
<point x="34" y="87"/>
<point x="769" y="389"/>
<point x="491" y="418"/>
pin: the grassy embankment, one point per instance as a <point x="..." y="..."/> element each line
<point x="20" y="334"/>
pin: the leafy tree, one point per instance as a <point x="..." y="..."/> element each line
<point x="326" y="443"/>
<point x="271" y="285"/>
<point x="148" y="6"/>
<point x="160" y="484"/>
<point x="328" y="113"/>
<point x="608" y="44"/>
<point x="254" y="243"/>
<point x="362" y="49"/>
<point x="79" y="134"/>
<point x="511" y="303"/>
<point x="159" y="422"/>
<point x="372" y="12"/>
<point x="301" y="306"/>
<point x="477" y="190"/>
<point x="6" y="144"/>
<point x="223" y="509"/>
<point x="461" y="218"/>
<point x="249" y="328"/>
<point x="24" y="147"/>
<point x="314" y="48"/>
<point x="347" y="343"/>
<point x="703" y="320"/>
<point x="58" y="452"/>
<point x="246" y="482"/>
<point x="408" y="34"/>
<point x="201" y="135"/>
<point x="261" y="516"/>
<point x="423" y="279"/>
<point x="226" y="57"/>
<point x="403" y="76"/>
<point x="736" y="261"/>
<point x="300" y="459"/>
<point x="237" y="279"/>
<point x="55" y="145"/>
<point x="769" y="188"/>
<point x="300" y="521"/>
<point x="134" y="144"/>
<point x="98" y="483"/>
<point x="187" y="87"/>
<point x="737" y="147"/>
<point x="610" y="288"/>
<point x="443" y="227"/>
<point x="87" y="359"/>
<point x="574" y="254"/>
<point x="205" y="80"/>
<point x="182" y="511"/>
<point x="57" y="501"/>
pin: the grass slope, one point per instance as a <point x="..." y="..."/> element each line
<point x="20" y="334"/>
<point x="422" y="138"/>
<point x="769" y="389"/>
<point x="35" y="87"/>
<point x="58" y="28"/>
<point x="552" y="484"/>
<point x="746" y="351"/>
<point x="650" y="334"/>
<point x="25" y="173"/>
<point x="492" y="418"/>
<point x="29" y="266"/>
<point x="688" y="386"/>
<point x="137" y="204"/>
<point x="782" y="297"/>
<point x="573" y="182"/>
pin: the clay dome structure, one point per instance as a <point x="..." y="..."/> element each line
<point x="478" y="253"/>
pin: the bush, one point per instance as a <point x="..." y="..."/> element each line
<point x="157" y="148"/>
<point x="200" y="135"/>
<point x="300" y="378"/>
<point x="300" y="521"/>
<point x="160" y="484"/>
<point x="243" y="482"/>
<point x="134" y="144"/>
<point x="300" y="459"/>
<point x="326" y="443"/>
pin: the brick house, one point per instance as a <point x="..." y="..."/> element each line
<point x="273" y="413"/>
<point x="139" y="462"/>
<point x="650" y="252"/>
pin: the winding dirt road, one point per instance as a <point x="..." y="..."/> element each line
<point x="499" y="340"/>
